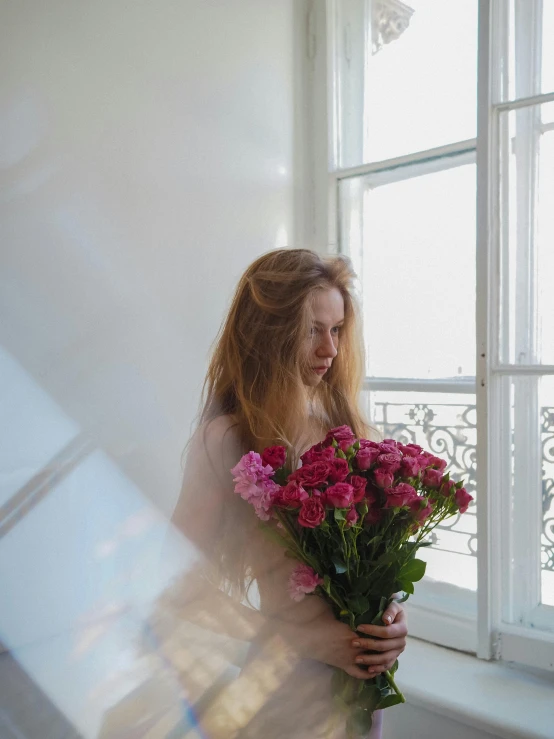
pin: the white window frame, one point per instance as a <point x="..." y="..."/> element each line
<point x="510" y="625"/>
<point x="438" y="616"/>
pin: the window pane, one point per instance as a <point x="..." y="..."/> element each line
<point x="528" y="456"/>
<point x="527" y="235"/>
<point x="547" y="46"/>
<point x="529" y="26"/>
<point x="443" y="423"/>
<point x="413" y="244"/>
<point x="408" y="82"/>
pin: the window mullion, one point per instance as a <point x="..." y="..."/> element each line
<point x="487" y="559"/>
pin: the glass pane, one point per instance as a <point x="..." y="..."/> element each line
<point x="407" y="77"/>
<point x="547" y="46"/>
<point x="416" y="261"/>
<point x="530" y="466"/>
<point x="529" y="26"/>
<point x="443" y="423"/>
<point x="527" y="235"/>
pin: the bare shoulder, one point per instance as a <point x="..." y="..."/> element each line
<point x="217" y="442"/>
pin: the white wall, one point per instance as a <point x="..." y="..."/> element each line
<point x="149" y="151"/>
<point x="148" y="154"/>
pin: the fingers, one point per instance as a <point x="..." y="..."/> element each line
<point x="393" y="613"/>
<point x="398" y="629"/>
<point x="380" y="645"/>
<point x="359" y="672"/>
<point x="378" y="662"/>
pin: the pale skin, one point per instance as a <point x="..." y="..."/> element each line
<point x="387" y="641"/>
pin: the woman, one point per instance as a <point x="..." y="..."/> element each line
<point x="287" y="366"/>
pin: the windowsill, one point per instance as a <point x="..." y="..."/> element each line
<point x="490" y="696"/>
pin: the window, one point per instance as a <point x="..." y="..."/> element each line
<point x="441" y="187"/>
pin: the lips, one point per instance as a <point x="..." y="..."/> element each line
<point x="320" y="370"/>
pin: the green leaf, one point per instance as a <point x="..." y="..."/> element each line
<point x="378" y="619"/>
<point x="358" y="604"/>
<point x="381" y="681"/>
<point x="369" y="697"/>
<point x="361" y="584"/>
<point x="413" y="570"/>
<point x="341" y="454"/>
<point x="280" y="476"/>
<point x="387" y="558"/>
<point x="326" y="583"/>
<point x="339" y="514"/>
<point x="388" y="701"/>
<point x="406" y="585"/>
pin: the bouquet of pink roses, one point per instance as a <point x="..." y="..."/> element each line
<point x="354" y="515"/>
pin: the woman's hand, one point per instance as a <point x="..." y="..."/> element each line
<point x="337" y="648"/>
<point x="387" y="642"/>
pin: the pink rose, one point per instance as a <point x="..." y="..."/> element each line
<point x="338" y="470"/>
<point x="312" y="513"/>
<point x="303" y="580"/>
<point x="312" y="475"/>
<point x="291" y="495"/>
<point x="340" y="495"/>
<point x="366" y="456"/>
<point x="359" y="485"/>
<point x="446" y="487"/>
<point x="318" y="453"/>
<point x="432" y="478"/>
<point x="389" y="446"/>
<point x="351" y="517"/>
<point x="263" y="501"/>
<point x="410" y="450"/>
<point x="400" y="495"/>
<point x="436" y="463"/>
<point x="390" y="461"/>
<point x="421" y="509"/>
<point x="251" y="468"/>
<point x="274" y="456"/>
<point x="252" y="483"/>
<point x="409" y="467"/>
<point x="341" y="434"/>
<point x="463" y="499"/>
<point x="366" y="443"/>
<point x="383" y="478"/>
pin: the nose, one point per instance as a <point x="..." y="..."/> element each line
<point x="326" y="348"/>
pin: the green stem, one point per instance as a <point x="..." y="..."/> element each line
<point x="394" y="686"/>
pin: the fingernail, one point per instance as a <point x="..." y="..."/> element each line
<point x="388" y="619"/>
<point x="356" y="643"/>
<point x="359" y="660"/>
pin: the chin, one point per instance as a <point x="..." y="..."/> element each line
<point x="313" y="380"/>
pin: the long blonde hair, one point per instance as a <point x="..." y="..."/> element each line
<point x="256" y="375"/>
<point x="256" y="369"/>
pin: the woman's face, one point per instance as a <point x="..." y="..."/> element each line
<point x="323" y="343"/>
